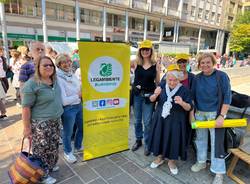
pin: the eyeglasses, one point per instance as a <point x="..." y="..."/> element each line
<point x="39" y="49"/>
<point x="181" y="62"/>
<point x="46" y="65"/>
<point x="66" y="62"/>
<point x="145" y="49"/>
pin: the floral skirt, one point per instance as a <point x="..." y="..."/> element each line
<point x="45" y="141"/>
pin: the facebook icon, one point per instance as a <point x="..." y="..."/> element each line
<point x="102" y="103"/>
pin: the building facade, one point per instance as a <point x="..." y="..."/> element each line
<point x="200" y="23"/>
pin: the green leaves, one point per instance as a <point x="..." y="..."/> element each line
<point x="240" y="34"/>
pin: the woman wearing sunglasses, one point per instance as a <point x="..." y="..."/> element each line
<point x="187" y="78"/>
<point x="147" y="74"/>
<point x="41" y="115"/>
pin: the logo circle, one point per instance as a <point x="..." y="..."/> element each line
<point x="105" y="74"/>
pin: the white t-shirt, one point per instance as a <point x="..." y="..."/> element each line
<point x="2" y="72"/>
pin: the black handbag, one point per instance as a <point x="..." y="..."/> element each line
<point x="240" y="100"/>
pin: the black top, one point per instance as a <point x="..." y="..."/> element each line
<point x="145" y="78"/>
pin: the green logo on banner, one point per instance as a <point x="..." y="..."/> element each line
<point x="106" y="70"/>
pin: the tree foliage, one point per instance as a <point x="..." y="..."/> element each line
<point x="240" y="34"/>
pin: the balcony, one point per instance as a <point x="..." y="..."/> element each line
<point x="158" y="9"/>
<point x="141" y="5"/>
<point x="120" y="2"/>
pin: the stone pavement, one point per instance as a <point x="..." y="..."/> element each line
<point x="121" y="168"/>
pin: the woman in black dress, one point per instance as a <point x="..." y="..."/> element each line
<point x="168" y="137"/>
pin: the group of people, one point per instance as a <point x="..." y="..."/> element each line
<point x="50" y="95"/>
<point x="168" y="105"/>
<point x="48" y="88"/>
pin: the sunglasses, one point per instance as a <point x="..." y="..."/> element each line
<point x="46" y="65"/>
<point x="145" y="49"/>
<point x="181" y="62"/>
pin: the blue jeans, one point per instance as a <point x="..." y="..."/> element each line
<point x="218" y="165"/>
<point x="72" y="115"/>
<point x="143" y="111"/>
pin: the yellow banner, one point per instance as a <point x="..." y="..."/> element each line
<point x="105" y="90"/>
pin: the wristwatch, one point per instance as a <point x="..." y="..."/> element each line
<point x="224" y="116"/>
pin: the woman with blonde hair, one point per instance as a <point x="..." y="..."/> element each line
<point x="15" y="65"/>
<point x="71" y="95"/>
<point x="212" y="97"/>
<point x="41" y="115"/>
<point x="147" y="75"/>
<point x="169" y="132"/>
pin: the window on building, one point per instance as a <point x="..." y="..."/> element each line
<point x="91" y="17"/>
<point x="153" y="26"/>
<point x="84" y="16"/>
<point x="95" y="18"/>
<point x="136" y="23"/>
<point x="60" y="12"/>
<point x="231" y="7"/>
<point x="229" y="20"/>
<point x="185" y="7"/>
<point x="218" y="18"/>
<point x="193" y="11"/>
<point x="110" y="19"/>
<point x="239" y="9"/>
<point x="51" y="10"/>
<point x="38" y="8"/>
<point x="69" y="13"/>
<point x="207" y="15"/>
<point x="213" y="16"/>
<point x="119" y="20"/>
<point x="200" y="13"/>
<point x="14" y="7"/>
<point x="7" y="8"/>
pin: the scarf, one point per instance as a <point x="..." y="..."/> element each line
<point x="168" y="104"/>
<point x="64" y="75"/>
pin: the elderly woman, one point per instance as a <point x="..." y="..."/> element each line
<point x="147" y="74"/>
<point x="71" y="97"/>
<point x="168" y="138"/>
<point x="41" y="115"/>
<point x="212" y="96"/>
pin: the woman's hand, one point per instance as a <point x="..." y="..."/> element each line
<point x="158" y="66"/>
<point x="219" y="122"/>
<point x="178" y="100"/>
<point x="27" y="132"/>
<point x="157" y="91"/>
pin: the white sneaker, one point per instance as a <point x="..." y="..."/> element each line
<point x="70" y="157"/>
<point x="198" y="166"/>
<point x="48" y="180"/>
<point x="174" y="170"/>
<point x="56" y="168"/>
<point x="154" y="165"/>
<point x="78" y="150"/>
